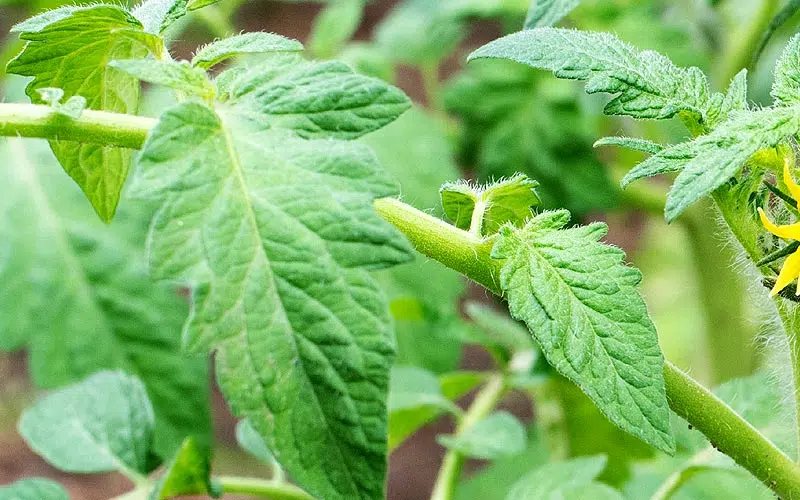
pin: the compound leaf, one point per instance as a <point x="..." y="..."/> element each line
<point x="102" y="424"/>
<point x="70" y="49"/>
<point x="247" y="43"/>
<point x="276" y="234"/>
<point x="720" y="155"/>
<point x="648" y="84"/>
<point x="76" y="293"/>
<point x="33" y="489"/>
<point x="580" y="303"/>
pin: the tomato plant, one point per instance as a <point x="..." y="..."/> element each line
<point x="301" y="220"/>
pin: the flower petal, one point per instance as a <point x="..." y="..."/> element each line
<point x="789" y="272"/>
<point x="791" y="231"/>
<point x="794" y="189"/>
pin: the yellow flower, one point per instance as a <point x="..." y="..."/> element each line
<point x="791" y="267"/>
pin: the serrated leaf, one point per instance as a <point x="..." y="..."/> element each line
<point x="548" y="12"/>
<point x="180" y="76"/>
<point x="252" y="442"/>
<point x="102" y="424"/>
<point x="508" y="200"/>
<point x="648" y="84"/>
<point x="33" y="489"/>
<point x="496" y="436"/>
<point x="786" y="87"/>
<point x="316" y="99"/>
<point x="276" y="234"/>
<point x="581" y="304"/>
<point x="633" y="143"/>
<point x="723" y="153"/>
<point x="75" y="292"/>
<point x="337" y="22"/>
<point x="671" y="159"/>
<point x="69" y="49"/>
<point x="157" y="15"/>
<point x="189" y="473"/>
<point x="735" y="99"/>
<point x="551" y="481"/>
<point x="218" y="51"/>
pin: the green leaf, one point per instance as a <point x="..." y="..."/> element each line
<point x="368" y="59"/>
<point x="33" y="489"/>
<point x="77" y="295"/>
<point x="496" y="436"/>
<point x="581" y="304"/>
<point x="189" y="473"/>
<point x="276" y="233"/>
<point x="648" y="84"/>
<point x="334" y="26"/>
<point x="551" y="481"/>
<point x="670" y="159"/>
<point x="593" y="491"/>
<point x="247" y="43"/>
<point x="786" y="87"/>
<point x="250" y="441"/>
<point x="417" y="397"/>
<point x="508" y="200"/>
<point x="102" y="424"/>
<point x="70" y="49"/>
<point x="515" y="121"/>
<point x="180" y="76"/>
<point x="316" y="100"/>
<point x="633" y="143"/>
<point x="158" y="15"/>
<point x="723" y="153"/>
<point x="422" y="295"/>
<point x="486" y="8"/>
<point x="499" y="329"/>
<point x="419" y="32"/>
<point x="497" y="478"/>
<point x="548" y="12"/>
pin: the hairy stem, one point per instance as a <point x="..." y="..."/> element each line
<point x="467" y="254"/>
<point x="485" y="402"/>
<point x="261" y="488"/>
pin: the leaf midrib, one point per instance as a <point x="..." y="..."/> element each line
<point x="241" y="181"/>
<point x="584" y="313"/>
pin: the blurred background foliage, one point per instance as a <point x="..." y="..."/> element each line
<point x="482" y="122"/>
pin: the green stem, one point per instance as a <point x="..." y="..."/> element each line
<point x="791" y="323"/>
<point x="261" y="488"/>
<point x="98" y="127"/>
<point x="485" y="402"/>
<point x="467" y="254"/>
<point x="731" y="434"/>
<point x="729" y="336"/>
